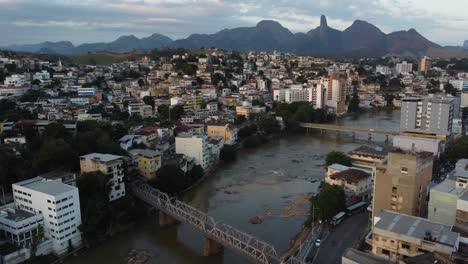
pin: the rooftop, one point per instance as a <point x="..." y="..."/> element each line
<point x="56" y="174"/>
<point x="369" y="151"/>
<point x="461" y="169"/>
<point x="42" y="185"/>
<point x="449" y="186"/>
<point x="15" y="215"/>
<point x="362" y="257"/>
<point x="415" y="227"/>
<point x="101" y="157"/>
<point x="146" y="152"/>
<point x="350" y="175"/>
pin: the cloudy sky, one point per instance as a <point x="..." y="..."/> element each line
<point x="81" y="21"/>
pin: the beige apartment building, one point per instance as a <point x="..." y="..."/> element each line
<point x="224" y="131"/>
<point x="355" y="183"/>
<point x="110" y="165"/>
<point x="398" y="237"/>
<point x="401" y="183"/>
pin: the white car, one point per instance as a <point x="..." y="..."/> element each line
<point x="318" y="242"/>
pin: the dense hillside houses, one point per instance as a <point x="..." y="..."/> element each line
<point x="169" y="117"/>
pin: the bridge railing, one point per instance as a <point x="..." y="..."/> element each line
<point x="225" y="234"/>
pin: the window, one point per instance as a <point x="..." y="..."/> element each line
<point x="386" y="252"/>
<point x="394" y="189"/>
<point x="405" y="246"/>
<point x="404" y="170"/>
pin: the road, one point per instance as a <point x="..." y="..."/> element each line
<point x="341" y="237"/>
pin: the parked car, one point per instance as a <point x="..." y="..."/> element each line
<point x="318" y="242"/>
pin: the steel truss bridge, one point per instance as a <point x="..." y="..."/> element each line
<point x="226" y="235"/>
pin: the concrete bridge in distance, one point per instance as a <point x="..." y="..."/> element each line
<point x="217" y="235"/>
<point x="353" y="130"/>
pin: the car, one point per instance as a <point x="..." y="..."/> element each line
<point x="318" y="242"/>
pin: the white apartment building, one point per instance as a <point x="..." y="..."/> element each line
<point x="335" y="95"/>
<point x="212" y="107"/>
<point x="194" y="146"/>
<point x="427" y="115"/>
<point x="110" y="165"/>
<point x="12" y="90"/>
<point x="86" y="91"/>
<point x="296" y="93"/>
<point x="15" y="80"/>
<point x="460" y="84"/>
<point x="404" y="67"/>
<point x="261" y="85"/>
<point x="316" y="95"/>
<point x="279" y="95"/>
<point x="19" y="226"/>
<point x="59" y="205"/>
<point x="385" y="70"/>
<point x="43" y="75"/>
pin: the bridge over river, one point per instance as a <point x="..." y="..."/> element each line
<point x="353" y="130"/>
<point x="217" y="234"/>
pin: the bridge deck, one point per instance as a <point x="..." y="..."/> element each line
<point x="229" y="236"/>
<point x="349" y="129"/>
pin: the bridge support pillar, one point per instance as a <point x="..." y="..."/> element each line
<point x="369" y="137"/>
<point x="386" y="139"/>
<point x="166" y="220"/>
<point x="212" y="248"/>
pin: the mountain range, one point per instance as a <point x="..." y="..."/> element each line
<point x="121" y="45"/>
<point x="359" y="39"/>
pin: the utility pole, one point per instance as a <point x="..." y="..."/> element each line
<point x="313" y="213"/>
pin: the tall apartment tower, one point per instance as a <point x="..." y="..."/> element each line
<point x="430" y="116"/>
<point x="401" y="184"/>
<point x="335" y="94"/>
<point x="425" y="64"/>
<point x="404" y="67"/>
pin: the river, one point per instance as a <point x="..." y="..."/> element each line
<point x="270" y="181"/>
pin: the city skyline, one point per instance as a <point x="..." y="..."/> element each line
<point x="26" y="21"/>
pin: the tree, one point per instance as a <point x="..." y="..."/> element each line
<point x="465" y="112"/>
<point x="247" y="131"/>
<point x="55" y="131"/>
<point x="32" y="95"/>
<point x="268" y="124"/>
<point x="458" y="149"/>
<point x="195" y="174"/>
<point x="171" y="179"/>
<point x="149" y="100"/>
<point x="353" y="106"/>
<point x="95" y="207"/>
<point x="177" y="112"/>
<point x="163" y="111"/>
<point x="15" y="165"/>
<point x="141" y="82"/>
<point x="338" y="158"/>
<point x="326" y="203"/>
<point x="389" y="98"/>
<point x="36" y="239"/>
<point x="228" y="154"/>
<point x="449" y="89"/>
<point x="218" y="77"/>
<point x="55" y="154"/>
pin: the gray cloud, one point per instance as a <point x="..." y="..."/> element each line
<point x="80" y="21"/>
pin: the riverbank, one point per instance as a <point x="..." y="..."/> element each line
<point x="235" y="193"/>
